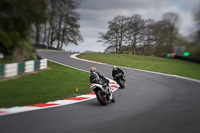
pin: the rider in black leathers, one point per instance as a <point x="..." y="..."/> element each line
<point x="115" y="71"/>
<point x="97" y="78"/>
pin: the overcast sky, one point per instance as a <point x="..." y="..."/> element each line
<point x="96" y="13"/>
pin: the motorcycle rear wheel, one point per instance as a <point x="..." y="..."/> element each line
<point x="101" y="97"/>
<point x="113" y="98"/>
<point x="121" y="83"/>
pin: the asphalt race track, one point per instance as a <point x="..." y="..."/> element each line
<point x="150" y="103"/>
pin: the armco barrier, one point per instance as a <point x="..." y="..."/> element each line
<point x="14" y="69"/>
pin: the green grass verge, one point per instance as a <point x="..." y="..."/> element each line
<point x="57" y="83"/>
<point x="163" y="65"/>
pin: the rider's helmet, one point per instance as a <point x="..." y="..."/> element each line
<point x="114" y="67"/>
<point x="93" y="69"/>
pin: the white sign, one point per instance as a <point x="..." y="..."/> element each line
<point x="1" y="56"/>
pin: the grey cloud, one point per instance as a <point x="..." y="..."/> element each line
<point x="96" y="13"/>
<point x="189" y="5"/>
<point x="113" y="4"/>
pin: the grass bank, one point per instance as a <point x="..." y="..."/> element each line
<point x="57" y="83"/>
<point x="163" y="65"/>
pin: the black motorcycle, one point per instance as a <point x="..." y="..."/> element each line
<point x="120" y="79"/>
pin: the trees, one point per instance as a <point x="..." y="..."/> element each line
<point x="123" y="31"/>
<point x="115" y="37"/>
<point x="148" y="37"/>
<point x="172" y="21"/>
<point x="197" y="19"/>
<point x="194" y="47"/>
<point x="135" y="31"/>
<point x="165" y="33"/>
<point x="70" y="33"/>
<point x="16" y="18"/>
<point x="41" y="21"/>
<point x="160" y="38"/>
<point x="138" y="36"/>
<point x="62" y="25"/>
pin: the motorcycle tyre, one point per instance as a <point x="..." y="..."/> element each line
<point x="121" y="84"/>
<point x="113" y="98"/>
<point x="102" y="100"/>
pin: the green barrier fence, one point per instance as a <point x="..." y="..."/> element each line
<point x="37" y="65"/>
<point x="21" y="68"/>
<point x="2" y="69"/>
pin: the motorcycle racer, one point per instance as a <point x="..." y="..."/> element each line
<point x="115" y="71"/>
<point x="96" y="77"/>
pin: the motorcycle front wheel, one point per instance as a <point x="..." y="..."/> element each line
<point x="101" y="97"/>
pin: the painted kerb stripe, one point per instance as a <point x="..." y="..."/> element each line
<point x="2" y="71"/>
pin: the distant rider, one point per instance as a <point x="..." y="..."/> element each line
<point x="117" y="70"/>
<point x="97" y="78"/>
